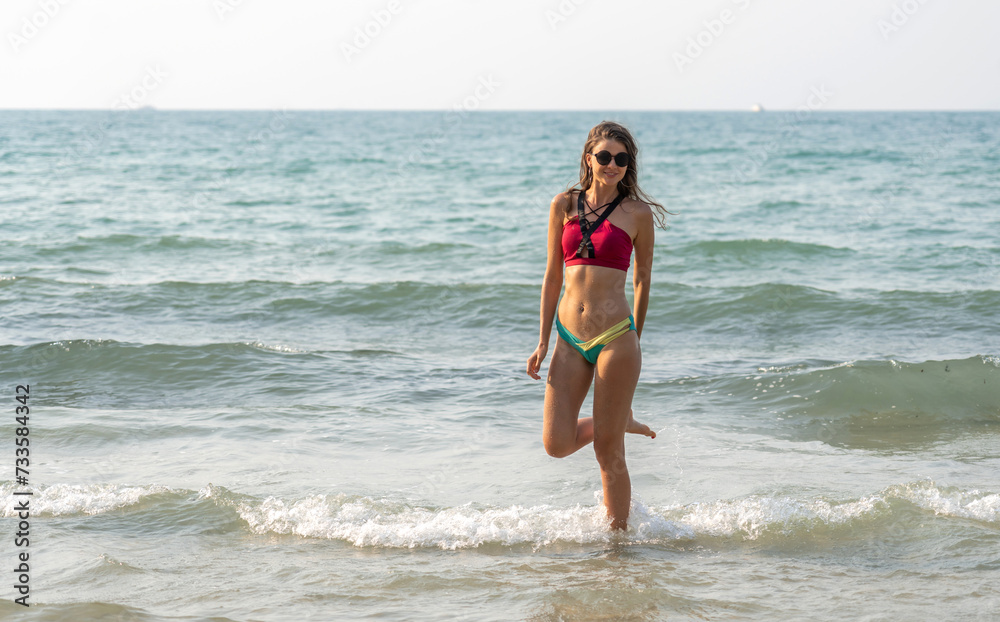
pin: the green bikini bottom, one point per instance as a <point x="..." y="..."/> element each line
<point x="590" y="349"/>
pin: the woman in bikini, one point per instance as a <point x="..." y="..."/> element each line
<point x="593" y="230"/>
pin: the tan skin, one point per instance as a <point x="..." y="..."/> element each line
<point x="594" y="301"/>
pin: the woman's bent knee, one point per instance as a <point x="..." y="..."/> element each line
<point x="557" y="449"/>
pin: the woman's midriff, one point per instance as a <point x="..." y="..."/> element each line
<point x="594" y="300"/>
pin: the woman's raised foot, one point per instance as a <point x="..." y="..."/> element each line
<point x="634" y="427"/>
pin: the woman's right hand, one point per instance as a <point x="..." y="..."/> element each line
<point x="535" y="360"/>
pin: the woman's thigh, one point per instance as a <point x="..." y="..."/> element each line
<point x="618" y="368"/>
<point x="568" y="381"/>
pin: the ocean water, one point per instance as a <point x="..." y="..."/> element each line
<point x="276" y="366"/>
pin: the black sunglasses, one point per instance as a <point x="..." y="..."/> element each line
<point x="621" y="159"/>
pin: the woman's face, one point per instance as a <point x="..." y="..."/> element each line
<point x="609" y="173"/>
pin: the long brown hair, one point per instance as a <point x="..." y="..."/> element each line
<point x="629" y="185"/>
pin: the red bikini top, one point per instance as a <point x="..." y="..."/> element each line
<point x="596" y="244"/>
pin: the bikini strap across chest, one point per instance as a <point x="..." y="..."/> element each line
<point x="587" y="229"/>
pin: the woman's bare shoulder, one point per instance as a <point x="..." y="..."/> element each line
<point x="635" y="206"/>
<point x="563" y="201"/>
<point x="563" y="198"/>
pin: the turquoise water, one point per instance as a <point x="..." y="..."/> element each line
<point x="277" y="368"/>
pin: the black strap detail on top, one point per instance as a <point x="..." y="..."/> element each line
<point x="587" y="229"/>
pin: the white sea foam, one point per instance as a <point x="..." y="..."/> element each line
<point x="369" y="522"/>
<point x="277" y="347"/>
<point x="363" y="521"/>
<point x="751" y="516"/>
<point x="67" y="499"/>
<point x="952" y="502"/>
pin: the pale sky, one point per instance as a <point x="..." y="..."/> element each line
<point x="501" y="55"/>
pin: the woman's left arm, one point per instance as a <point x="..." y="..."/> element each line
<point x="643" y="271"/>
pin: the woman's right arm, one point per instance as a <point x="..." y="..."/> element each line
<point x="551" y="284"/>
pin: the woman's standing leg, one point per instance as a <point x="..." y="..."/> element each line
<point x="570" y="375"/>
<point x="617" y="375"/>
